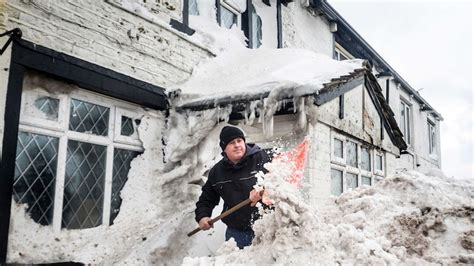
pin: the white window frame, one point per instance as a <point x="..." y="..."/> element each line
<point x="341" y="165"/>
<point x="338" y="168"/>
<point x="133" y="139"/>
<point x="234" y="9"/>
<point x="28" y="96"/>
<point x="407" y="122"/>
<point x="371" y="154"/>
<point x="334" y="159"/>
<point x="379" y="171"/>
<point x="60" y="130"/>
<point x="339" y="50"/>
<point x="432" y="140"/>
<point x="350" y="167"/>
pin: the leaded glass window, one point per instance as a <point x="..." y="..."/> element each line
<point x="256" y="29"/>
<point x="193" y="8"/>
<point x="68" y="162"/>
<point x="127" y="128"/>
<point x="35" y="175"/>
<point x="336" y="182"/>
<point x="84" y="185"/>
<point x="351" y="181"/>
<point x="228" y="18"/>
<point x="122" y="160"/>
<point x="89" y="118"/>
<point x="48" y="106"/>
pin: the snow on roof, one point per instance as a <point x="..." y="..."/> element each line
<point x="249" y="72"/>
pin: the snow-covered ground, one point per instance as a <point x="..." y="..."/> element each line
<point x="409" y="218"/>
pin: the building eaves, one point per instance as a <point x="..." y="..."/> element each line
<point x="330" y="90"/>
<point x="360" y="48"/>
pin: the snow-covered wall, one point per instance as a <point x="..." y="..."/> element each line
<point x="303" y="30"/>
<point x="128" y="36"/>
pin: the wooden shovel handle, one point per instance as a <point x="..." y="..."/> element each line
<point x="223" y="215"/>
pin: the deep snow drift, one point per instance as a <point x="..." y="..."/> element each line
<point x="409" y="218"/>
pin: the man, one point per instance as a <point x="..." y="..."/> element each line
<point x="232" y="179"/>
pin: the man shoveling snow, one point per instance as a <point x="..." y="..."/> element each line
<point x="233" y="179"/>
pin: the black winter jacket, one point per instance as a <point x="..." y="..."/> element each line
<point x="233" y="184"/>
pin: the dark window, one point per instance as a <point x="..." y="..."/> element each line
<point x="84" y="185"/>
<point x="88" y="118"/>
<point x="122" y="160"/>
<point x="35" y="175"/>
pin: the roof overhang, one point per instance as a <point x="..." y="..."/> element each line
<point x="347" y="37"/>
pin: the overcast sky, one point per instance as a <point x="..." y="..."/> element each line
<point x="429" y="43"/>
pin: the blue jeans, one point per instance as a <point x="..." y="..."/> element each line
<point x="242" y="237"/>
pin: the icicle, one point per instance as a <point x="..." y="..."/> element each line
<point x="267" y="119"/>
<point x="300" y="107"/>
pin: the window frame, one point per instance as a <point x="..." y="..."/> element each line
<point x="407" y="123"/>
<point x="339" y="50"/>
<point x="334" y="158"/>
<point x="432" y="140"/>
<point x="60" y="130"/>
<point x="233" y="9"/>
<point x="382" y="164"/>
<point x="341" y="164"/>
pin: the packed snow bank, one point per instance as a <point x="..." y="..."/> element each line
<point x="409" y="218"/>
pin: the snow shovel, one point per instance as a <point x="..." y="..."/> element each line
<point x="223" y="215"/>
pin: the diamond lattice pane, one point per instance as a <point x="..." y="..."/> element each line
<point x="193" y="8"/>
<point x="127" y="126"/>
<point x="89" y="118"/>
<point x="84" y="185"/>
<point x="35" y="175"/>
<point x="227" y="18"/>
<point x="48" y="106"/>
<point x="122" y="160"/>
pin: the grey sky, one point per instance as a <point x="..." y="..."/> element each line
<point x="429" y="43"/>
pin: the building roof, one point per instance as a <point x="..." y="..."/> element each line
<point x="238" y="78"/>
<point x="358" y="47"/>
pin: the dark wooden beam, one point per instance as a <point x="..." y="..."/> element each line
<point x="279" y="25"/>
<point x="218" y="12"/>
<point x="185" y="12"/>
<point x="7" y="166"/>
<point x="341" y="106"/>
<point x="90" y="76"/>
<point x="331" y="92"/>
<point x="183" y="27"/>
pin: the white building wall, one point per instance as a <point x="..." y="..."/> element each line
<point x="303" y="30"/>
<point x="128" y="36"/>
<point x="418" y="157"/>
<point x="319" y="162"/>
<point x="124" y="36"/>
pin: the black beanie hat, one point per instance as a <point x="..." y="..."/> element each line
<point x="229" y="133"/>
